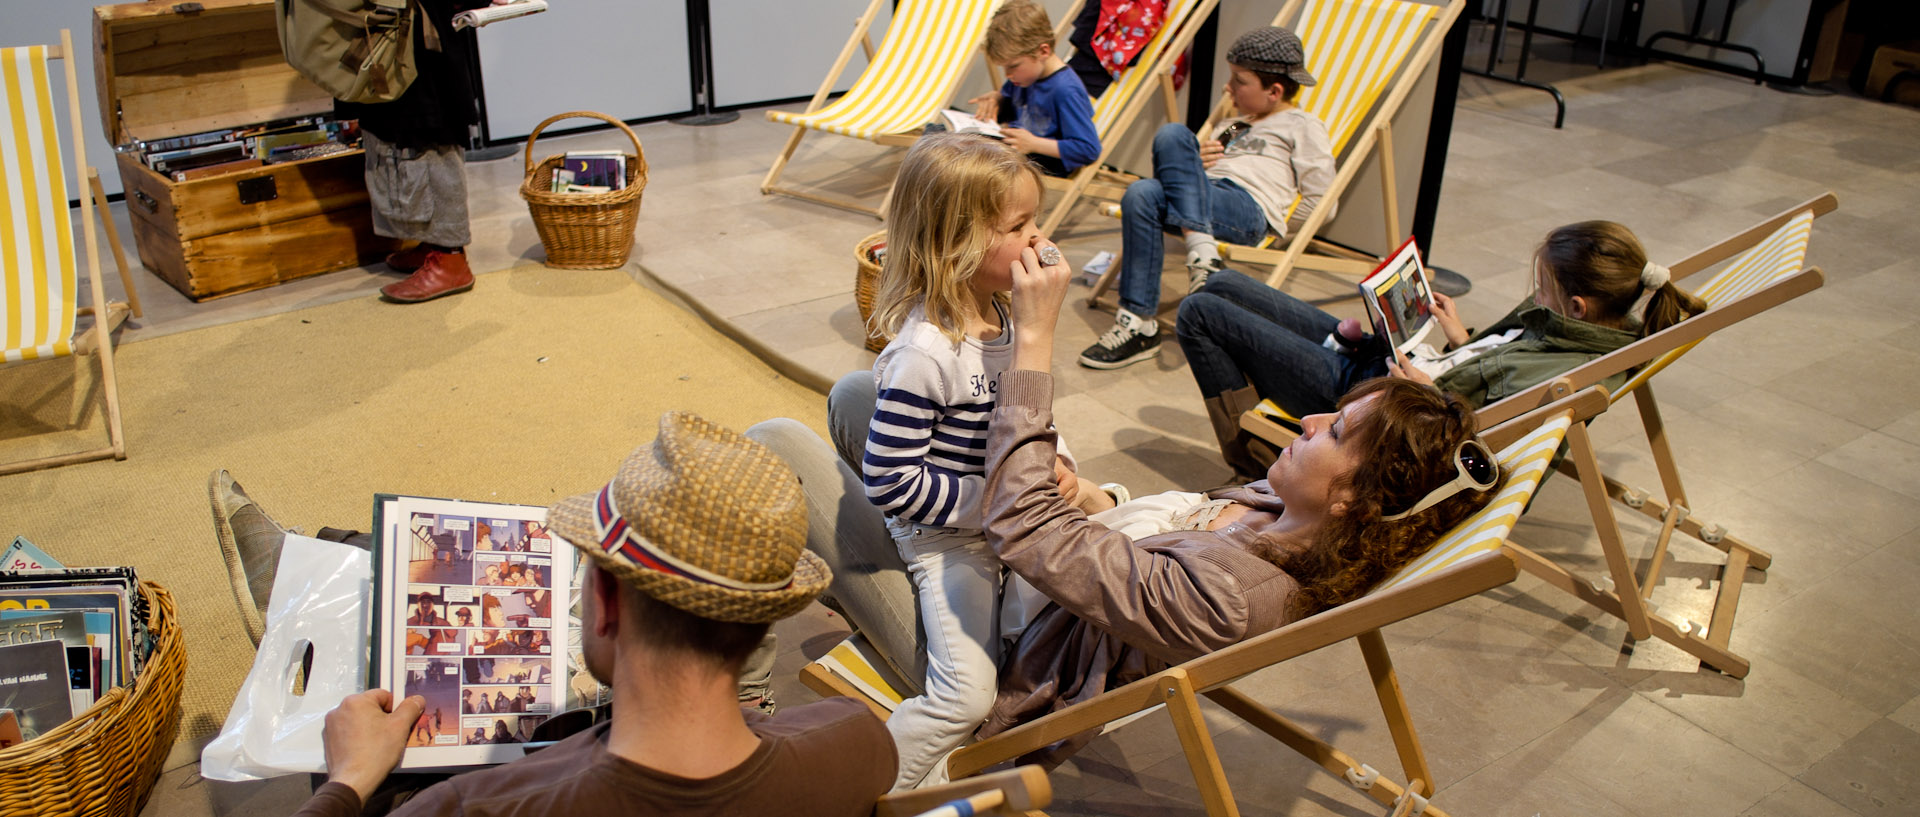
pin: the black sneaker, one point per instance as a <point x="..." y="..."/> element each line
<point x="1123" y="345"/>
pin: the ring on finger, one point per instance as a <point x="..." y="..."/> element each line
<point x="1049" y="255"/>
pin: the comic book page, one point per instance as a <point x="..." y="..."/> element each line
<point x="471" y="602"/>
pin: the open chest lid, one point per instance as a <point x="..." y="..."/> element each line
<point x="174" y="68"/>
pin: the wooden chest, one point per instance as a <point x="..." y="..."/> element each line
<point x="171" y="69"/>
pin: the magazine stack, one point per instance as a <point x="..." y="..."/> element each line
<point x="67" y="636"/>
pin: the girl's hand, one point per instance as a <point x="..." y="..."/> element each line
<point x="1449" y="318"/>
<point x="986" y="106"/>
<point x="1069" y="482"/>
<point x="1210" y="152"/>
<point x="1038" y="291"/>
<point x="1401" y="368"/>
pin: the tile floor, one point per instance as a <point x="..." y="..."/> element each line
<point x="1800" y="429"/>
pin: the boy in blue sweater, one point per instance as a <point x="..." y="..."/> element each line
<point x="1049" y="115"/>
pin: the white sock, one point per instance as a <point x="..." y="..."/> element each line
<point x="1201" y="248"/>
<point x="1140" y="325"/>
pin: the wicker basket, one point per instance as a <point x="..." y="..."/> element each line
<point x="866" y="279"/>
<point x="584" y="230"/>
<point x="105" y="761"/>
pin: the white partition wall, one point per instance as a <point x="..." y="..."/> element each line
<point x="623" y="58"/>
<point x="764" y="51"/>
<point x="38" y="22"/>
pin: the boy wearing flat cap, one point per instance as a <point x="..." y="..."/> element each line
<point x="694" y="549"/>
<point x="1236" y="185"/>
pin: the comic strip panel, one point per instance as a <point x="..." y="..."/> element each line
<point x="440" y="549"/>
<point x="437" y="680"/>
<point x="524" y="699"/>
<point x="483" y="730"/>
<point x="507" y="670"/>
<point x="435" y="641"/>
<point x="508" y="642"/>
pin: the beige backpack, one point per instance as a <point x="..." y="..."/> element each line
<point x="356" y="50"/>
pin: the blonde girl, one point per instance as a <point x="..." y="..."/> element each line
<point x="962" y="217"/>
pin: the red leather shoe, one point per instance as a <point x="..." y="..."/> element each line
<point x="409" y="259"/>
<point x="441" y="274"/>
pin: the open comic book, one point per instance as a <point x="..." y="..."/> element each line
<point x="472" y="605"/>
<point x="963" y="122"/>
<point x="1398" y="299"/>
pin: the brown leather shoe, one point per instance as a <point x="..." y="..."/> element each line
<point x="443" y="273"/>
<point x="409" y="259"/>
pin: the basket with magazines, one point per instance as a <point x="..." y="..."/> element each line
<point x="106" y="759"/>
<point x="868" y="256"/>
<point x="585" y="226"/>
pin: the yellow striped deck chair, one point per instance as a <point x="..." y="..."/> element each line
<point x="927" y="49"/>
<point x="1366" y="56"/>
<point x="1467" y="560"/>
<point x="1120" y="105"/>
<point x="1766" y="273"/>
<point x="39" y="293"/>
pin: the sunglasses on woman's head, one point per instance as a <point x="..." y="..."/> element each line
<point x="1475" y="468"/>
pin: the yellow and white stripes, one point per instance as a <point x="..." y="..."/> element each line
<point x="1525" y="464"/>
<point x="927" y="45"/>
<point x="1777" y="256"/>
<point x="1354" y="49"/>
<point x="37" y="293"/>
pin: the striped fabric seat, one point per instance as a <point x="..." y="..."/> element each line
<point x="1525" y="464"/>
<point x="39" y="271"/>
<point x="39" y="292"/>
<point x="1354" y="49"/>
<point x="927" y="46"/>
<point x="1777" y="256"/>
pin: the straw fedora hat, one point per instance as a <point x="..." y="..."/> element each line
<point x="703" y="519"/>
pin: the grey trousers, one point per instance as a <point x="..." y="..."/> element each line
<point x="870" y="582"/>
<point x="418" y="195"/>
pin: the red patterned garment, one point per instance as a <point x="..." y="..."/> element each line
<point x="1125" y="27"/>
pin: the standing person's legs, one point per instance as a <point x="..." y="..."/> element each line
<point x="420" y="194"/>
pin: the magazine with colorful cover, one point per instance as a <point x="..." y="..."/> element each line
<point x="105" y="589"/>
<point x="1399" y="300"/>
<point x="33" y="683"/>
<point x="470" y="603"/>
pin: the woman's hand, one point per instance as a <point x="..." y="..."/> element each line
<point x="986" y="106"/>
<point x="1038" y="291"/>
<point x="1449" y="318"/>
<point x="1400" y="367"/>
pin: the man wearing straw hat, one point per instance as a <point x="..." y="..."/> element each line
<point x="695" y="548"/>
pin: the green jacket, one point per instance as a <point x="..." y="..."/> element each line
<point x="1549" y="345"/>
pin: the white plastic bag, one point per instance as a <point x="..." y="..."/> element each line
<point x="320" y="599"/>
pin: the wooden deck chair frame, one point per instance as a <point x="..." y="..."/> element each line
<point x="1487" y="565"/>
<point x="107" y="315"/>
<point x="1621" y="592"/>
<point x="1130" y="94"/>
<point x="862" y="38"/>
<point x="1372" y="135"/>
<point x="1020" y="790"/>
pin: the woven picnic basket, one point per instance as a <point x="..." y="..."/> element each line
<point x="105" y="761"/>
<point x="584" y="230"/>
<point x="866" y="280"/>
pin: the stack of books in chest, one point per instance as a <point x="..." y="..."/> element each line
<point x="227" y="150"/>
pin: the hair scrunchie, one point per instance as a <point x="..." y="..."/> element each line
<point x="1652" y="277"/>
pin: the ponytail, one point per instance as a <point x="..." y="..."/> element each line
<point x="1603" y="262"/>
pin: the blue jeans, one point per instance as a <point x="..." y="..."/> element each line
<point x="1238" y="331"/>
<point x="1179" y="196"/>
